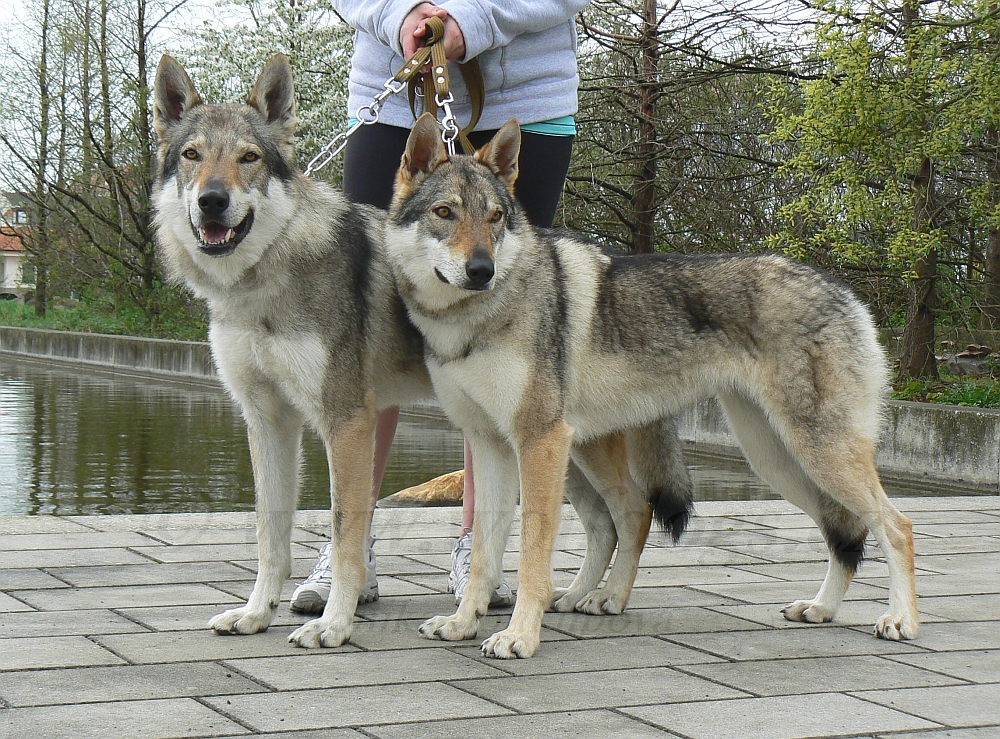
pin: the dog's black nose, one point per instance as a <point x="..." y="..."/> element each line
<point x="213" y="199"/>
<point x="479" y="268"/>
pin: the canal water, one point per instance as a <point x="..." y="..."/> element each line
<point x="80" y="441"/>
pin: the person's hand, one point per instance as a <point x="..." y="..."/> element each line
<point x="411" y="34"/>
<point x="454" y="39"/>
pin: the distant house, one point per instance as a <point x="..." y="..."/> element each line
<point x="17" y="278"/>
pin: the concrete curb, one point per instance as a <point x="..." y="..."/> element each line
<point x="954" y="448"/>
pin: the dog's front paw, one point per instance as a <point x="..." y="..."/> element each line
<point x="564" y="600"/>
<point x="600" y="602"/>
<point x="808" y="611"/>
<point x="321" y="632"/>
<point x="508" y="644"/>
<point x="896" y="627"/>
<point x="448" y="628"/>
<point x="241" y="621"/>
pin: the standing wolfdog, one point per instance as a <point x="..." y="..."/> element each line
<point x="537" y="339"/>
<point x="307" y="327"/>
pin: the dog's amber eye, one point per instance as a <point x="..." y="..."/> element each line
<point x="497" y="217"/>
<point x="443" y="211"/>
<point x="190" y="154"/>
<point x="251" y="156"/>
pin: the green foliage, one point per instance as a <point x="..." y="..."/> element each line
<point x="225" y="59"/>
<point x="980" y="392"/>
<point x="178" y="317"/>
<point x="893" y="93"/>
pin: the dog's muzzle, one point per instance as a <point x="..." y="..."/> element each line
<point x="217" y="239"/>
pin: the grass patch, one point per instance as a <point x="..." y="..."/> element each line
<point x="177" y="319"/>
<point x="975" y="392"/>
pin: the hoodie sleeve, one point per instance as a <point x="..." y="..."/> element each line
<point x="380" y="19"/>
<point x="489" y="25"/>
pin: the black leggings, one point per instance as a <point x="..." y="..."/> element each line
<point x="372" y="156"/>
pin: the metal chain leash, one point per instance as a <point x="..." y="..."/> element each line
<point x="366" y="115"/>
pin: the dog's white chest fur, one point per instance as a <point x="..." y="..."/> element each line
<point x="481" y="387"/>
<point x="295" y="363"/>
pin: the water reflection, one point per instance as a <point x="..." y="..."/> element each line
<point x="81" y="442"/>
<point x="76" y="441"/>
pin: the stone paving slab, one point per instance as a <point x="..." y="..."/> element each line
<point x="148" y="574"/>
<point x="958" y="705"/>
<point x="158" y="719"/>
<point x="73" y="540"/>
<point x="103" y="634"/>
<point x="331" y="670"/>
<point x="30" y="653"/>
<point x="819" y="675"/>
<point x="121" y="683"/>
<point x="123" y="597"/>
<point x="831" y="714"/>
<point x="603" y="724"/>
<point x="338" y="707"/>
<point x="597" y="689"/>
<point x="69" y="557"/>
<point x="59" y="623"/>
<point x="9" y="604"/>
<point x="975" y="666"/>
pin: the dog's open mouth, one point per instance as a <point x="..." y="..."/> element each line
<point x="217" y="239"/>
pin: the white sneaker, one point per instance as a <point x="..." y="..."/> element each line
<point x="311" y="596"/>
<point x="458" y="578"/>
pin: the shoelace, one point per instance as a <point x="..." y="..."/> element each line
<point x="321" y="572"/>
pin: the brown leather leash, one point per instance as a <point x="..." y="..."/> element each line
<point x="433" y="88"/>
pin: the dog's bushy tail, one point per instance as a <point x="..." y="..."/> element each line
<point x="657" y="463"/>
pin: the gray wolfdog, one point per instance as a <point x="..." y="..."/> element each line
<point x="536" y="340"/>
<point x="307" y="327"/>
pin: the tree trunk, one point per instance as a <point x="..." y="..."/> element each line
<point x="916" y="357"/>
<point x="989" y="318"/>
<point x="39" y="231"/>
<point x="644" y="197"/>
<point x="145" y="184"/>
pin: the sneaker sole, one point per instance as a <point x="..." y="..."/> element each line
<point x="308" y="603"/>
<point x="312" y="603"/>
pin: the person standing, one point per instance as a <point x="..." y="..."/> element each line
<point x="527" y="52"/>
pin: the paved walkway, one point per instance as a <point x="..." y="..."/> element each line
<point x="102" y="634"/>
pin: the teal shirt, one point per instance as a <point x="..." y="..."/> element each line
<point x="562" y="126"/>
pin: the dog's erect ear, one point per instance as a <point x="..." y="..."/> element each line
<point x="173" y="95"/>
<point x="500" y="154"/>
<point x="274" y="94"/>
<point x="424" y="149"/>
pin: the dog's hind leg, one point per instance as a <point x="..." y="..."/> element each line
<point x="274" y="429"/>
<point x="495" y="469"/>
<point x="601" y="540"/>
<point x="350" y="449"/>
<point x="843" y="494"/>
<point x="846" y="470"/>
<point x="844" y="532"/>
<point x="605" y="461"/>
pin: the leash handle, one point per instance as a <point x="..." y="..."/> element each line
<point x="434" y="88"/>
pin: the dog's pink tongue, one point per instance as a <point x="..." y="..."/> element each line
<point x="214" y="233"/>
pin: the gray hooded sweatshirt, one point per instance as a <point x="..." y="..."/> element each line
<point x="526" y="48"/>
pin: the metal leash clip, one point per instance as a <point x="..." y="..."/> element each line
<point x="366" y="115"/>
<point x="448" y="123"/>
